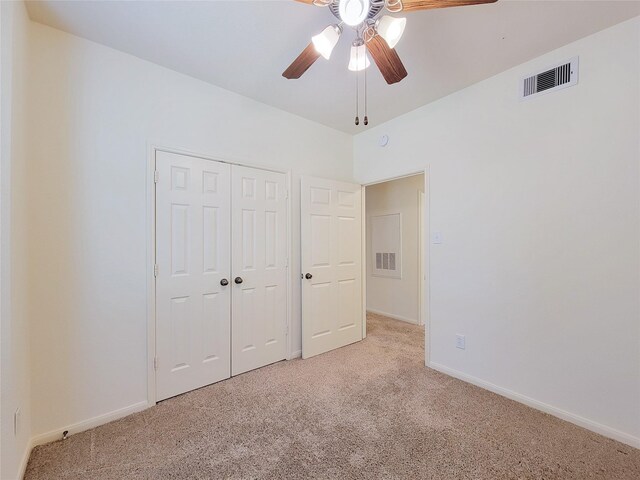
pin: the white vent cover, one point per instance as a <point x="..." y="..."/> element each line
<point x="561" y="76"/>
<point x="385" y="261"/>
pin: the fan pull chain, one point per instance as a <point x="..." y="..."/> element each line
<point x="357" y="94"/>
<point x="366" y="119"/>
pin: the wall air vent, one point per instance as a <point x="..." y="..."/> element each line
<point x="560" y="76"/>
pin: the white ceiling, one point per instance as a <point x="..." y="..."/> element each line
<point x="244" y="46"/>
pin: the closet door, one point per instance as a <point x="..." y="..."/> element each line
<point x="259" y="266"/>
<point x="193" y="288"/>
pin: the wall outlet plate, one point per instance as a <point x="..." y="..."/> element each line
<point x="460" y="341"/>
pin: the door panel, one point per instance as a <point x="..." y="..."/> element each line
<point x="192" y="244"/>
<point x="331" y="236"/>
<point x="259" y="258"/>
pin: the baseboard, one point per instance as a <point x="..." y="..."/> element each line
<point x="89" y="423"/>
<point x="391" y="315"/>
<point x="22" y="469"/>
<point x="556" y="412"/>
<point x="296" y="354"/>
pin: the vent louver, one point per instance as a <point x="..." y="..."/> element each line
<point x="561" y="76"/>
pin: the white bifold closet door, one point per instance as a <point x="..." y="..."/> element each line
<point x="193" y="323"/>
<point x="331" y="236"/>
<point x="259" y="262"/>
<point x="221" y="281"/>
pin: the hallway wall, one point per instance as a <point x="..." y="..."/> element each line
<point x="396" y="297"/>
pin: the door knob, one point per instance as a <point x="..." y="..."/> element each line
<point x="308" y="276"/>
<point x="238" y="280"/>
<point x="224" y="282"/>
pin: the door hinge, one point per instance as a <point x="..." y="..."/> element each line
<point x="156" y="269"/>
<point x="156" y="176"/>
<point x="155" y="363"/>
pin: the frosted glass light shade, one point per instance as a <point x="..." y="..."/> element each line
<point x="354" y="12"/>
<point x="391" y="29"/>
<point x="326" y="40"/>
<point x="358" y="60"/>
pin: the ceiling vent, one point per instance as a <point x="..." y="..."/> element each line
<point x="560" y="76"/>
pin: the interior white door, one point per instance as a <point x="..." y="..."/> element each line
<point x="331" y="223"/>
<point x="192" y="256"/>
<point x="259" y="266"/>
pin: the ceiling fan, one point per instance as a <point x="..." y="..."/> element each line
<point x="376" y="34"/>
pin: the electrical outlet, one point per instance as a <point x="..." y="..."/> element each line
<point x="460" y="342"/>
<point x="16" y="421"/>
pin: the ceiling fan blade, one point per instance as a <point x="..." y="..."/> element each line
<point x="386" y="59"/>
<point x="412" y="5"/>
<point x="301" y="64"/>
<point x="317" y="3"/>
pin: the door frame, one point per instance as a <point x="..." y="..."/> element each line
<point x="421" y="238"/>
<point x="426" y="243"/>
<point x="150" y="193"/>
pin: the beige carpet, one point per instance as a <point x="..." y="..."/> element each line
<point x="369" y="410"/>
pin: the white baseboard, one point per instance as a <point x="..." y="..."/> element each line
<point x="556" y="412"/>
<point x="296" y="354"/>
<point x="22" y="469"/>
<point x="89" y="423"/>
<point x="391" y="315"/>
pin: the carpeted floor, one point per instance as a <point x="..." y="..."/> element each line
<point x="369" y="410"/>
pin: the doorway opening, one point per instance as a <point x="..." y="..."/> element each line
<point x="395" y="254"/>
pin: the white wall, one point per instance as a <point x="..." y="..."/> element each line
<point x="538" y="203"/>
<point x="396" y="297"/>
<point x="14" y="331"/>
<point x="95" y="112"/>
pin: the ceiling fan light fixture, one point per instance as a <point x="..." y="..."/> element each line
<point x="358" y="60"/>
<point x="326" y="40"/>
<point x="354" y="12"/>
<point x="391" y="29"/>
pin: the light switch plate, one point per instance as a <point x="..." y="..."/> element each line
<point x="436" y="238"/>
<point x="460" y="342"/>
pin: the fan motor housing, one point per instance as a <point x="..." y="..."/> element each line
<point x="374" y="9"/>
